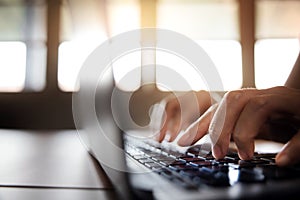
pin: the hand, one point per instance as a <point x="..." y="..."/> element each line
<point x="181" y="111"/>
<point x="241" y="114"/>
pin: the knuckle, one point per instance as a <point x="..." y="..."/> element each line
<point x="233" y="96"/>
<point x="279" y="88"/>
<point x="258" y="103"/>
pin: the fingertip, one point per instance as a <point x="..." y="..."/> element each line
<point x="159" y="137"/>
<point x="217" y="152"/>
<point x="282" y="159"/>
<point x="161" y="134"/>
<point x="245" y="155"/>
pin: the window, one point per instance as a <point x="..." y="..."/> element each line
<point x="12" y="66"/>
<point x="277" y="47"/>
<point x="274" y="60"/>
<point x="85" y="25"/>
<point x="214" y="26"/>
<point x="22" y="45"/>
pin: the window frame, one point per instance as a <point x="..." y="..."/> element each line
<point x="52" y="107"/>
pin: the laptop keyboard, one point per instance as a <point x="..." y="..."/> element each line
<point x="197" y="167"/>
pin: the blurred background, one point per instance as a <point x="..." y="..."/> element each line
<point x="43" y="43"/>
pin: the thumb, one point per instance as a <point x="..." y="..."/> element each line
<point x="289" y="154"/>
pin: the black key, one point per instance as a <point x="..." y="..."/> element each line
<point x="258" y="162"/>
<point x="271" y="160"/>
<point x="249" y="163"/>
<point x="185" y="156"/>
<point x="233" y="158"/>
<point x="192" y="172"/>
<point x="161" y="157"/>
<point x="145" y="160"/>
<point x="134" y="152"/>
<point x="167" y="162"/>
<point x="210" y="177"/>
<point x="179" y="167"/>
<point x="218" y="168"/>
<point x="166" y="173"/>
<point x="174" y="154"/>
<point x="154" y="166"/>
<point x="191" y="159"/>
<point x="137" y="157"/>
<point x="202" y="163"/>
<point x="208" y="157"/>
<point x="232" y="154"/>
<point x="265" y="155"/>
<point x="152" y="154"/>
<point x="252" y="175"/>
<point x="194" y="149"/>
<point x="220" y="179"/>
<point x="226" y="161"/>
<point x="245" y="163"/>
<point x="202" y="150"/>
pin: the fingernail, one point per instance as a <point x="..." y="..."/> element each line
<point x="282" y="160"/>
<point x="157" y="136"/>
<point x="168" y="136"/>
<point x="217" y="152"/>
<point x="184" y="140"/>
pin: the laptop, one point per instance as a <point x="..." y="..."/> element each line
<point x="140" y="168"/>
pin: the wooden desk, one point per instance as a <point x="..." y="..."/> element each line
<point x="49" y="164"/>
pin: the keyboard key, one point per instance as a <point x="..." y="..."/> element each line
<point x="179" y="167"/>
<point x="154" y="166"/>
<point x="212" y="178"/>
<point x="202" y="163"/>
<point x="174" y="154"/>
<point x="197" y="166"/>
<point x="217" y="168"/>
<point x="166" y="173"/>
<point x="167" y="162"/>
<point x="161" y="157"/>
<point x="137" y="157"/>
<point x="191" y="159"/>
<point x="145" y="160"/>
<point x="202" y="150"/>
<point x="251" y="175"/>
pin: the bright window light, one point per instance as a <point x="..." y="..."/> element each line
<point x="12" y="66"/>
<point x="225" y="54"/>
<point x="274" y="60"/>
<point x="227" y="57"/>
<point x="127" y="71"/>
<point x="173" y="73"/>
<point x="71" y="56"/>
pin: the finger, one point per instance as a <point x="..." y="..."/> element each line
<point x="171" y="109"/>
<point x="251" y="119"/>
<point x="174" y="128"/>
<point x="289" y="154"/>
<point x="225" y="117"/>
<point x="192" y="110"/>
<point x="198" y="129"/>
<point x="255" y="114"/>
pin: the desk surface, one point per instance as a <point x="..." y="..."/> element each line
<point x="49" y="165"/>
